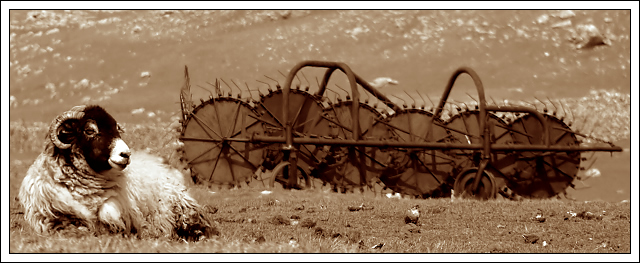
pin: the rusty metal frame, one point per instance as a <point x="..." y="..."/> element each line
<point x="291" y="144"/>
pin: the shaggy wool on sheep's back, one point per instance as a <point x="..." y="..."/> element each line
<point x="157" y="194"/>
<point x="148" y="198"/>
<point x="54" y="194"/>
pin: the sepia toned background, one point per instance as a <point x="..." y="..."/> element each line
<point x="132" y="61"/>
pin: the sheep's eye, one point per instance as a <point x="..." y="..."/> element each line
<point x="90" y="132"/>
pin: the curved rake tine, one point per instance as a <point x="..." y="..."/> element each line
<point x="334" y="92"/>
<point x="345" y="91"/>
<point x="494" y="101"/>
<point x="211" y="93"/>
<point x="545" y="105"/>
<point x="534" y="106"/>
<point x="455" y="102"/>
<point x="277" y="83"/>
<point x="465" y="105"/>
<point x="424" y="106"/>
<point x="563" y="111"/>
<point x="228" y="86"/>
<point x="403" y="101"/>
<point x="216" y="86"/>
<point x="300" y="81"/>
<point x="555" y="109"/>
<point x="268" y="85"/>
<point x="432" y="104"/>
<point x="282" y="74"/>
<point x="414" y="101"/>
<point x="307" y="80"/>
<point x="448" y="108"/>
<point x="368" y="97"/>
<point x="234" y="83"/>
<point x="249" y="90"/>
<point x="472" y="98"/>
<point x="573" y="117"/>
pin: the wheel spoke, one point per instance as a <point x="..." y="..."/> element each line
<point x="216" y="164"/>
<point x="201" y="122"/>
<point x="240" y="131"/>
<point x="428" y="170"/>
<point x="233" y="176"/>
<point x="272" y="115"/>
<point x="215" y="106"/>
<point x="243" y="157"/>
<point x="205" y="152"/>
<point x="235" y="120"/>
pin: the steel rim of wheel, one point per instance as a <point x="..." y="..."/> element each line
<point x="422" y="172"/>
<point x="346" y="175"/>
<point x="210" y="153"/>
<point x="544" y="175"/>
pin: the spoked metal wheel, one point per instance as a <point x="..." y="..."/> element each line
<point x="424" y="173"/>
<point x="209" y="147"/>
<point x="544" y="174"/>
<point x="309" y="119"/>
<point x="349" y="167"/>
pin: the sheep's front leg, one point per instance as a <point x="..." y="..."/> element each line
<point x="111" y="215"/>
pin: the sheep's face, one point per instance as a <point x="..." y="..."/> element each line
<point x="96" y="136"/>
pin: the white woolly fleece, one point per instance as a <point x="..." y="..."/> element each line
<point x="147" y="195"/>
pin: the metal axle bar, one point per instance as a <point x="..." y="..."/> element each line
<point x="420" y="145"/>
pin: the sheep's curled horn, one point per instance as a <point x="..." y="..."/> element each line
<point x="76" y="112"/>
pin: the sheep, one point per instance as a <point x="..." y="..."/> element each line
<point x="87" y="176"/>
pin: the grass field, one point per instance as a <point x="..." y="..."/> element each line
<point x="318" y="222"/>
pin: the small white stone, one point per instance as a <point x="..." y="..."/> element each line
<point x="84" y="83"/>
<point x="564" y="14"/>
<point x="561" y="24"/>
<point x="543" y="19"/>
<point x="593" y="172"/>
<point x="52" y="31"/>
<point x="50" y="86"/>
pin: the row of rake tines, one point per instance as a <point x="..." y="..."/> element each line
<point x="451" y="107"/>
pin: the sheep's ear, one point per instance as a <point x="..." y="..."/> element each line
<point x="67" y="131"/>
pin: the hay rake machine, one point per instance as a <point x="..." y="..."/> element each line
<point x="300" y="140"/>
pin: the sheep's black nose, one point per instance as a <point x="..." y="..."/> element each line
<point x="125" y="155"/>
